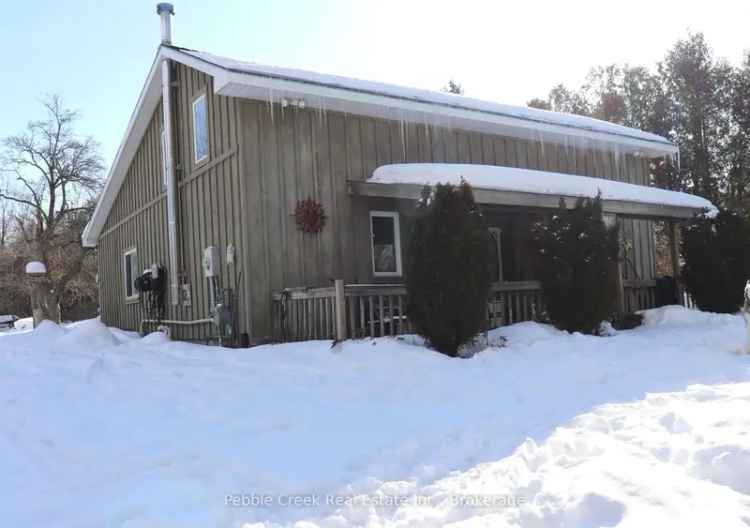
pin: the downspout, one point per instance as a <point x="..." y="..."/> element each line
<point x="165" y="12"/>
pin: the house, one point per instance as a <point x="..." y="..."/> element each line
<point x="248" y="190"/>
<point x="8" y="321"/>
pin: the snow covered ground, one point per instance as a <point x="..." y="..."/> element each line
<point x="99" y="427"/>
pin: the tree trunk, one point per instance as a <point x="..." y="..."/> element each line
<point x="44" y="302"/>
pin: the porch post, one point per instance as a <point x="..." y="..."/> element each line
<point x="611" y="220"/>
<point x="674" y="251"/>
<point x="620" y="289"/>
<point x="340" y="310"/>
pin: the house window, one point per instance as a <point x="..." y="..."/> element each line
<point x="497" y="254"/>
<point x="200" y="128"/>
<point x="164" y="168"/>
<point x="386" y="243"/>
<point x="130" y="272"/>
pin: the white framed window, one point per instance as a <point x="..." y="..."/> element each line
<point x="497" y="254"/>
<point x="385" y="236"/>
<point x="129" y="273"/>
<point x="164" y="168"/>
<point x="200" y="128"/>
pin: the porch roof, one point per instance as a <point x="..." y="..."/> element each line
<point x="531" y="188"/>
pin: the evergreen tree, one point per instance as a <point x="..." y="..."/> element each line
<point x="578" y="266"/>
<point x="453" y="87"/>
<point x="694" y="100"/>
<point x="448" y="271"/>
<point x="561" y="99"/>
<point x="716" y="252"/>
<point x="737" y="151"/>
<point x="541" y="104"/>
<point x="700" y="91"/>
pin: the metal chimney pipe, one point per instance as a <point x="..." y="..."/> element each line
<point x="165" y="12"/>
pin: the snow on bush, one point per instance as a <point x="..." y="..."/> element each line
<point x="577" y="265"/>
<point x="447" y="272"/>
<point x="644" y="428"/>
<point x="716" y="254"/>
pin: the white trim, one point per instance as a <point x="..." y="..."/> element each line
<point x="396" y="241"/>
<point x="133" y="273"/>
<point x="196" y="159"/>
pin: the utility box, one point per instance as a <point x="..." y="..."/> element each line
<point x="211" y="261"/>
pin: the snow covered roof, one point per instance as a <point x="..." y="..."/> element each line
<point x="334" y="92"/>
<point x="236" y="78"/>
<point x="534" y="182"/>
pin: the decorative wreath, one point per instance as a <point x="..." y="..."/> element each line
<point x="309" y="216"/>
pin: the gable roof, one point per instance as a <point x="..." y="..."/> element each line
<point x="236" y="78"/>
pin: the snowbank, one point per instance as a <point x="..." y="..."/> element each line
<point x="679" y="315"/>
<point x="645" y="428"/>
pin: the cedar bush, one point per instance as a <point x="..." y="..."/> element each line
<point x="448" y="270"/>
<point x="716" y="260"/>
<point x="578" y="266"/>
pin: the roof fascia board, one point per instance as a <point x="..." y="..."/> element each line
<point x="192" y="61"/>
<point x="408" y="191"/>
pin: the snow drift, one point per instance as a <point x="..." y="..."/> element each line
<point x="645" y="428"/>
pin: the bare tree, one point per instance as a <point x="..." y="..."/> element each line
<point x="52" y="175"/>
<point x="6" y="220"/>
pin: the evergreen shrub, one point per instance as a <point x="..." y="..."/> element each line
<point x="578" y="266"/>
<point x="448" y="268"/>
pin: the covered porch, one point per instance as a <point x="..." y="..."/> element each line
<point x="512" y="200"/>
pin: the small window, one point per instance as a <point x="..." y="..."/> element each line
<point x="164" y="167"/>
<point x="200" y="128"/>
<point x="497" y="254"/>
<point x="130" y="272"/>
<point x="386" y="243"/>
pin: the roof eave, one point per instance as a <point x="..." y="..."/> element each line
<point x="271" y="89"/>
<point x="525" y="199"/>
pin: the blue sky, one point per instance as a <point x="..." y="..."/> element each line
<point x="96" y="54"/>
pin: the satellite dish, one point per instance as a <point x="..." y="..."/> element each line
<point x="36" y="268"/>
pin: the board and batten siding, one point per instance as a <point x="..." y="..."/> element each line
<point x="290" y="154"/>
<point x="264" y="158"/>
<point x="210" y="212"/>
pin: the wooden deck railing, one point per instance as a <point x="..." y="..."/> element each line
<point x="301" y="314"/>
<point x="513" y="302"/>
<point x="639" y="294"/>
<point x="376" y="310"/>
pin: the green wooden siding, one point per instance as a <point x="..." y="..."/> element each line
<point x="262" y="160"/>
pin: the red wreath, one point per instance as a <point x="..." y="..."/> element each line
<point x="309" y="216"/>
